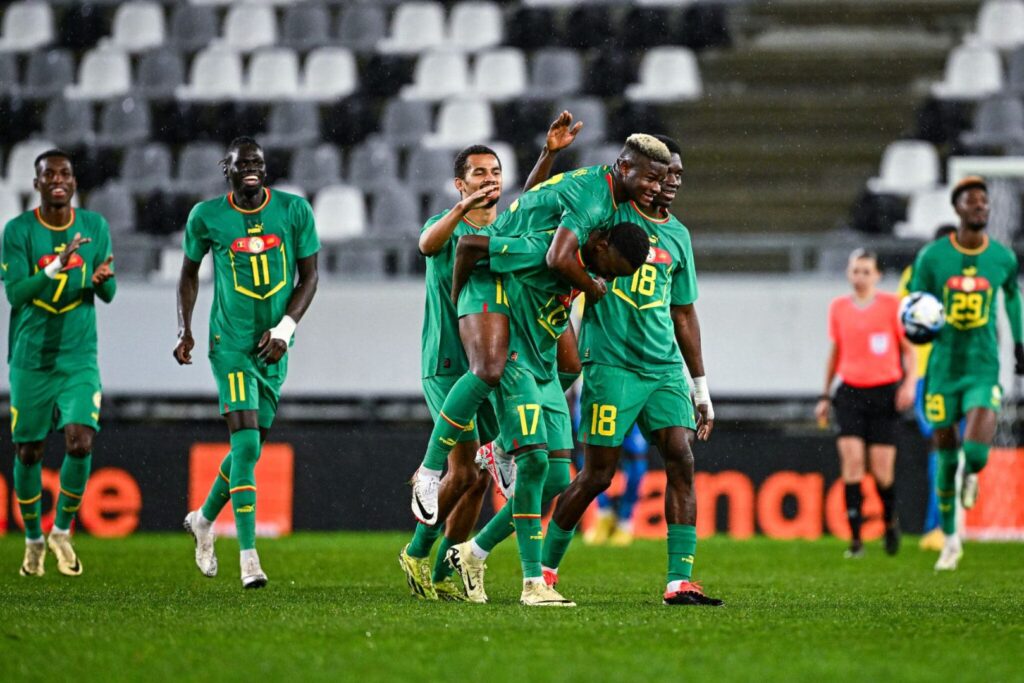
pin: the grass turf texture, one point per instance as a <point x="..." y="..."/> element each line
<point x="337" y="608"/>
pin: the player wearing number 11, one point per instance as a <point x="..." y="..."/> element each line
<point x="264" y="246"/>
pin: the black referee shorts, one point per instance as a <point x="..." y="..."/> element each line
<point x="869" y="413"/>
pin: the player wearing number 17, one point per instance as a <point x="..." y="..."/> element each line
<point x="964" y="271"/>
<point x="264" y="246"/>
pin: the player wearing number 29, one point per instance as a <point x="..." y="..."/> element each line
<point x="55" y="263"/>
<point x="264" y="246"/>
<point x="964" y="272"/>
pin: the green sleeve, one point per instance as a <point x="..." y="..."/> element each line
<point x="510" y="254"/>
<point x="307" y="242"/>
<point x="20" y="286"/>
<point x="197" y="236"/>
<point x="1011" y="300"/>
<point x="108" y="289"/>
<point x="919" y="274"/>
<point x="684" y="277"/>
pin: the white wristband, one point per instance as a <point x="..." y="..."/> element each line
<point x="284" y="330"/>
<point x="52" y="268"/>
<point x="701" y="395"/>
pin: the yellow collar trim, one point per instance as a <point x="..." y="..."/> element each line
<point x="965" y="250"/>
<point x="652" y="219"/>
<point x="57" y="228"/>
<point x="231" y="201"/>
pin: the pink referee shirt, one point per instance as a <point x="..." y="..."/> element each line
<point x="868" y="340"/>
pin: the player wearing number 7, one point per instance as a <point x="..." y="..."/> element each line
<point x="264" y="246"/>
<point x="55" y="263"/>
<point x="964" y="271"/>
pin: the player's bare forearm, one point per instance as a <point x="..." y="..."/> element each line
<point x="542" y="169"/>
<point x="433" y="239"/>
<point x="470" y="250"/>
<point x="305" y="288"/>
<point x="909" y="357"/>
<point x="563" y="258"/>
<point x="687" y="330"/>
<point x="568" y="352"/>
<point x="830" y="369"/>
<point x="561" y="134"/>
<point x="188" y="291"/>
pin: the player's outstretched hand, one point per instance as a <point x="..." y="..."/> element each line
<point x="78" y="241"/>
<point x="562" y="132"/>
<point x="1018" y="357"/>
<point x="705" y="422"/>
<point x="183" y="350"/>
<point x="487" y="194"/>
<point x="270" y="350"/>
<point x="103" y="273"/>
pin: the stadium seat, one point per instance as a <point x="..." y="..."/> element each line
<point x="441" y="200"/>
<point x="439" y="74"/>
<point x="360" y="27"/>
<point x="20" y="164"/>
<point x="10" y="205"/>
<point x="159" y="73"/>
<point x="972" y="73"/>
<point x="372" y="165"/>
<point x="273" y="74"/>
<point x="499" y="75"/>
<point x="104" y="72"/>
<point x="340" y="213"/>
<point x="908" y="166"/>
<point x="461" y="122"/>
<point x="509" y="166"/>
<point x="115" y="202"/>
<point x="291" y="189"/>
<point x="429" y="170"/>
<point x="330" y="75"/>
<point x="927" y="210"/>
<point x="249" y="26"/>
<point x="199" y="170"/>
<point x="1000" y="25"/>
<point x="591" y="111"/>
<point x="8" y="73"/>
<point x="475" y="26"/>
<point x="48" y="73"/>
<point x="998" y="122"/>
<point x="313" y="168"/>
<point x="292" y="124"/>
<point x="415" y="27"/>
<point x="406" y="122"/>
<point x="216" y="75"/>
<point x="147" y="168"/>
<point x="123" y="122"/>
<point x="667" y="74"/>
<point x="169" y="267"/>
<point x="69" y="123"/>
<point x="305" y="26"/>
<point x="139" y="26"/>
<point x="193" y="27"/>
<point x="396" y="213"/>
<point x="27" y="26"/>
<point x="555" y="72"/>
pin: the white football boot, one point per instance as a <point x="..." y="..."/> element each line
<point x="252" y="573"/>
<point x="206" y="558"/>
<point x="471" y="568"/>
<point x="34" y="562"/>
<point x="424" y="498"/>
<point x="68" y="563"/>
<point x="951" y="553"/>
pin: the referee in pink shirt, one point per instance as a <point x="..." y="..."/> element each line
<point x="875" y="365"/>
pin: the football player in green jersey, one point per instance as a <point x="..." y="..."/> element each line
<point x="530" y="401"/>
<point x="264" y="246"/>
<point x="55" y="262"/>
<point x="633" y="347"/>
<point x="478" y="179"/>
<point x="573" y="204"/>
<point x="964" y="271"/>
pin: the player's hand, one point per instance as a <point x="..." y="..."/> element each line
<point x="183" y="351"/>
<point x="562" y="132"/>
<point x="905" y="396"/>
<point x="821" y="411"/>
<point x="597" y="290"/>
<point x="705" y="421"/>
<point x="487" y="194"/>
<point x="1018" y="357"/>
<point x="103" y="273"/>
<point x="69" y="250"/>
<point x="271" y="350"/>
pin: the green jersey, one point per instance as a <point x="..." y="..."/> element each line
<point x="632" y="326"/>
<point x="442" y="352"/>
<point x="53" y="322"/>
<point x="580" y="200"/>
<point x="965" y="281"/>
<point x="254" y="257"/>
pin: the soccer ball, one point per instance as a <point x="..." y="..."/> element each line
<point x="922" y="317"/>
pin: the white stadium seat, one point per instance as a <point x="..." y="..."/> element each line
<point x="340" y="213"/>
<point x="139" y="26"/>
<point x="27" y="26"/>
<point x="216" y="74"/>
<point x="907" y="166"/>
<point x="438" y="75"/>
<point x="510" y="180"/>
<point x="273" y="74"/>
<point x="972" y="73"/>
<point x="415" y="27"/>
<point x="330" y="74"/>
<point x="10" y="205"/>
<point x="927" y="210"/>
<point x="475" y="26"/>
<point x="105" y="72"/>
<point x="249" y="26"/>
<point x="667" y="74"/>
<point x="461" y="122"/>
<point x="1000" y="24"/>
<point x="499" y="75"/>
<point x="20" y="164"/>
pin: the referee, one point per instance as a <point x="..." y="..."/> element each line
<point x="875" y="365"/>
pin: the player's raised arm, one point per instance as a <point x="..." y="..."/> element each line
<point x="433" y="239"/>
<point x="564" y="258"/>
<point x="561" y="134"/>
<point x="470" y="250"/>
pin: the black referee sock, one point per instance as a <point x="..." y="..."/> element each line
<point x="854" y="498"/>
<point x="888" y="496"/>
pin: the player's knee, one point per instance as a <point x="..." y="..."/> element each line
<point x="30" y="453"/>
<point x="532" y="466"/>
<point x="557" y="481"/>
<point x="679" y="463"/>
<point x="78" y="442"/>
<point x="594" y="480"/>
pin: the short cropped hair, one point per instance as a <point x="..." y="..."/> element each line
<point x="968" y="183"/>
<point x="52" y="154"/>
<point x="649" y="146"/>
<point x="631" y="241"/>
<point x="671" y="143"/>
<point x="462" y="158"/>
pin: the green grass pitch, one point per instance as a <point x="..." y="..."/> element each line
<point x="337" y="608"/>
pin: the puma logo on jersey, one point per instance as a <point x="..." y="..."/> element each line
<point x="254" y="230"/>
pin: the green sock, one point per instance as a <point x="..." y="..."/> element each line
<point x="74" y="475"/>
<point x="682" y="546"/>
<point x="567" y="379"/>
<point x="975" y="456"/>
<point x="423" y="540"/>
<point x="220" y="491"/>
<point x="456" y="416"/>
<point x="442" y="570"/>
<point x="28" y="489"/>
<point x="532" y="469"/>
<point x="498" y="529"/>
<point x="945" y="489"/>
<point x="245" y="451"/>
<point x="556" y="545"/>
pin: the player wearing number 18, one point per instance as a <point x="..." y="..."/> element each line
<point x="964" y="272"/>
<point x="264" y="246"/>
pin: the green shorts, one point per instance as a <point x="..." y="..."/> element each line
<point x="483" y="293"/>
<point x="946" y="401"/>
<point x="531" y="412"/>
<point x="613" y="399"/>
<point x="43" y="400"/>
<point x="483" y="429"/>
<point x="246" y="383"/>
